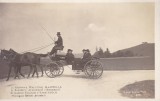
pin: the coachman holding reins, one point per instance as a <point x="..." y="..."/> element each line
<point x="58" y="44"/>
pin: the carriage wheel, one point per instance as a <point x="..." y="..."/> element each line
<point x="52" y="70"/>
<point x="61" y="68"/>
<point x="93" y="69"/>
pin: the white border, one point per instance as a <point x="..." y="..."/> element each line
<point x="71" y="1"/>
<point x="157" y="44"/>
<point x="157" y="50"/>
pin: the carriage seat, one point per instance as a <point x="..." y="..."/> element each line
<point x="60" y="48"/>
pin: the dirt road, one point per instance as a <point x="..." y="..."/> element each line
<point x="77" y="86"/>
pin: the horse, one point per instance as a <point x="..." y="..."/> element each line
<point x="17" y="60"/>
<point x="6" y="55"/>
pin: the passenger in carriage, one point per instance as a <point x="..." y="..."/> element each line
<point x="86" y="56"/>
<point x="69" y="57"/>
<point x="58" y="44"/>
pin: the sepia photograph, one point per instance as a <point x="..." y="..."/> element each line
<point x="77" y="50"/>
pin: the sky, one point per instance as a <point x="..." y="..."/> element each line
<point x="82" y="25"/>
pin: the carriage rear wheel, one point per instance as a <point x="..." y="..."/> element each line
<point x="93" y="69"/>
<point x="53" y="69"/>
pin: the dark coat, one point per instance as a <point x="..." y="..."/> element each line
<point x="59" y="42"/>
<point x="69" y="58"/>
<point x="86" y="56"/>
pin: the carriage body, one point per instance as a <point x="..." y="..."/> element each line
<point x="92" y="68"/>
<point x="77" y="64"/>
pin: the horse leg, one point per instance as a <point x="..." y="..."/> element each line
<point x="31" y="68"/>
<point x="16" y="72"/>
<point x="19" y="70"/>
<point x="36" y="70"/>
<point x="33" y="73"/>
<point x="10" y="67"/>
<point x="41" y="70"/>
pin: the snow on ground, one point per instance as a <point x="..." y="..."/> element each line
<point x="77" y="86"/>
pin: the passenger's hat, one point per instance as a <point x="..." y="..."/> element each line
<point x="58" y="33"/>
<point x="70" y="50"/>
<point x="84" y="50"/>
<point x="87" y="50"/>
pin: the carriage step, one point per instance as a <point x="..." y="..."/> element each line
<point x="78" y="71"/>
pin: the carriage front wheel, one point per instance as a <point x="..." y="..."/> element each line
<point x="93" y="69"/>
<point x="53" y="69"/>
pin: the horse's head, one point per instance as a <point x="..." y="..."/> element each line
<point x="7" y="54"/>
<point x="4" y="54"/>
<point x="12" y="51"/>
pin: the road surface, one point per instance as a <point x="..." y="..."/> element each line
<point x="77" y="86"/>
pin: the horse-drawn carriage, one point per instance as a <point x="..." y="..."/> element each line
<point x="92" y="68"/>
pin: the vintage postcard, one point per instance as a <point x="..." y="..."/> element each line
<point x="78" y="50"/>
